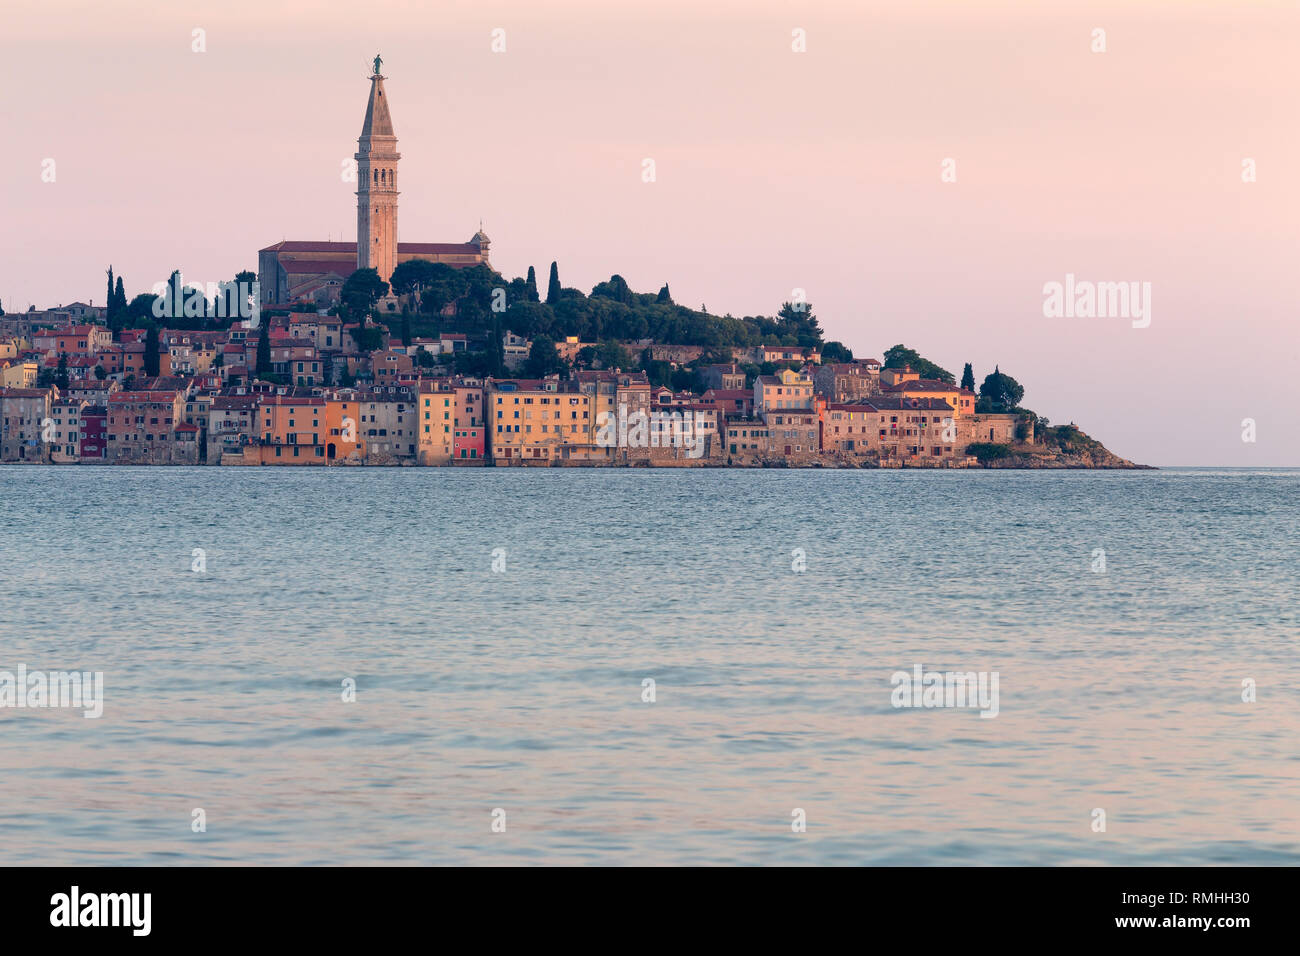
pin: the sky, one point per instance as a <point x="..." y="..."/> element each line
<point x="1170" y="158"/>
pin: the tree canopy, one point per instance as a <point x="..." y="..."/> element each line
<point x="900" y="356"/>
<point x="1000" y="393"/>
<point x="362" y="290"/>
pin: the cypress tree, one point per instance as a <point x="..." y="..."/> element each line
<point x="264" y="351"/>
<point x="665" y="296"/>
<point x="151" y="351"/>
<point x="532" y="285"/>
<point x="968" y="378"/>
<point x="498" y="357"/>
<point x="119" y="298"/>
<point x="61" y="376"/>
<point x="553" y="287"/>
<point x="177" y="311"/>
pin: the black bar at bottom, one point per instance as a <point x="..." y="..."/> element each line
<point x="318" y="905"/>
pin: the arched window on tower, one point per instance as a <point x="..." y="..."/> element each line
<point x="383" y="176"/>
<point x="376" y="177"/>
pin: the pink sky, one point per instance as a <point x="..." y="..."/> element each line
<point x="775" y="171"/>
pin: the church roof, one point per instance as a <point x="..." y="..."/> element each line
<point x="378" y="120"/>
<point x="295" y="245"/>
<point x="316" y="267"/>
<point x="350" y="248"/>
<point x="444" y="248"/>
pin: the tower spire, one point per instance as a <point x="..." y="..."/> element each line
<point x="377" y="158"/>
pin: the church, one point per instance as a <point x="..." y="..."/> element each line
<point x="295" y="270"/>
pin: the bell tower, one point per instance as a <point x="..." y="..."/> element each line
<point x="377" y="158"/>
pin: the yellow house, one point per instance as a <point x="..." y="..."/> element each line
<point x="19" y="375"/>
<point x="539" y="421"/>
<point x="893" y="376"/>
<point x="787" y="389"/>
<point x="435" y="422"/>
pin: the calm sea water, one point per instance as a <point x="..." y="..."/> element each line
<point x="522" y="689"/>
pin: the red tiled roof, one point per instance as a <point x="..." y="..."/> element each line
<point x="303" y="267"/>
<point x="117" y="398"/>
<point x="409" y="248"/>
<point x="922" y="385"/>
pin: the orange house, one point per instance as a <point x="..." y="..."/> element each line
<point x="961" y="400"/>
<point x="343" y="437"/>
<point x="291" y="431"/>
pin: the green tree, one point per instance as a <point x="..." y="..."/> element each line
<point x="263" y="366"/>
<point x="1000" y="393"/>
<point x="240" y="301"/>
<point x="119" y="297"/>
<point x="987" y="452"/>
<point x="543" y="359"/>
<point x="61" y="376"/>
<point x="900" y="356"/>
<point x="406" y="326"/>
<point x="968" y="378"/>
<point x="797" y="325"/>
<point x="664" y="297"/>
<point x="616" y="288"/>
<point x="836" y="352"/>
<point x="151" y="351"/>
<point x="369" y="338"/>
<point x="140" y="310"/>
<point x="496" y="350"/>
<point x="611" y="354"/>
<point x="100" y="374"/>
<point x="176" y="312"/>
<point x="361" y="291"/>
<point x="553" y="288"/>
<point x="108" y="299"/>
<point x="413" y="276"/>
<point x="444" y="286"/>
<point x="532" y="285"/>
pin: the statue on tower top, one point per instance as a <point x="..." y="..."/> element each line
<point x="379" y="61"/>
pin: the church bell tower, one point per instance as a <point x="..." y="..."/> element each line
<point x="377" y="158"/>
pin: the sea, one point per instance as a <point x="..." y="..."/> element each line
<point x="447" y="666"/>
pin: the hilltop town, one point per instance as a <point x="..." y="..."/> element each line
<point x="380" y="352"/>
<point x="302" y="385"/>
